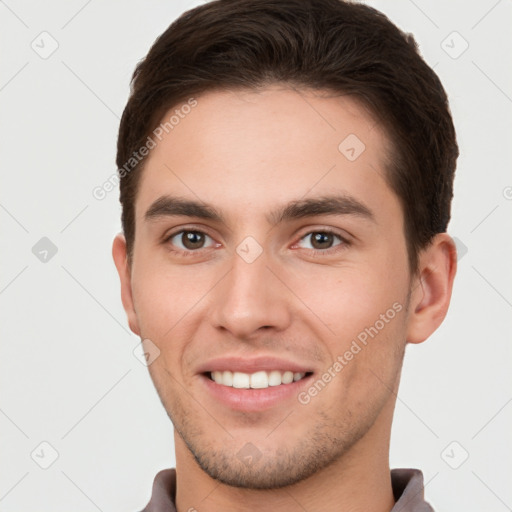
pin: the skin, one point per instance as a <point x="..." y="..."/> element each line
<point x="247" y="154"/>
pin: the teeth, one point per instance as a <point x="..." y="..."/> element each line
<point x="274" y="378"/>
<point x="227" y="378"/>
<point x="258" y="380"/>
<point x="241" y="380"/>
<point x="287" y="378"/>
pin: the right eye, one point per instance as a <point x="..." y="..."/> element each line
<point x="188" y="241"/>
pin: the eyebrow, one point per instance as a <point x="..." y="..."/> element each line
<point x="343" y="204"/>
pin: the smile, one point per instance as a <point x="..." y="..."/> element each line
<point x="257" y="380"/>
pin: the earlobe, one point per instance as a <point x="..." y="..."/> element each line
<point x="124" y="271"/>
<point x="432" y="289"/>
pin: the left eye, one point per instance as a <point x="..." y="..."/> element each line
<point x="321" y="240"/>
<point x="189" y="240"/>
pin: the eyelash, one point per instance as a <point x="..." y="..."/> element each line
<point x="341" y="246"/>
<point x="344" y="243"/>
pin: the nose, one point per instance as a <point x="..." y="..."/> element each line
<point x="251" y="299"/>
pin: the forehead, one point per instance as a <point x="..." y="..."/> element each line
<point x="241" y="149"/>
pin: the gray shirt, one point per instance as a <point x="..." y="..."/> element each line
<point x="407" y="489"/>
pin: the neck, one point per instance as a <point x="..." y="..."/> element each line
<point x="359" y="481"/>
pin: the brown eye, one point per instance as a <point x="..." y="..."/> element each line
<point x="322" y="240"/>
<point x="189" y="240"/>
<point x="192" y="239"/>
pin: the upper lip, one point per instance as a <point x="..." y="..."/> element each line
<point x="252" y="365"/>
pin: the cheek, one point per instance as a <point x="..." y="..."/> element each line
<point x="349" y="299"/>
<point x="163" y="294"/>
<point x="365" y="313"/>
<point x="162" y="304"/>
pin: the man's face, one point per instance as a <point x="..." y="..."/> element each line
<point x="308" y="287"/>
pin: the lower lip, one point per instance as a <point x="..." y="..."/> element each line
<point x="253" y="400"/>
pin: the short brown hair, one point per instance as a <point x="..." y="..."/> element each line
<point x="331" y="45"/>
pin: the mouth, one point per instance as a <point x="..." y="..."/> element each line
<point x="257" y="380"/>
<point x="263" y="390"/>
<point x="254" y="384"/>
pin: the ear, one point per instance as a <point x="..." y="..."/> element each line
<point x="124" y="271"/>
<point x="431" y="289"/>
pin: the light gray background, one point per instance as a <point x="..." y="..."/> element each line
<point x="68" y="373"/>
